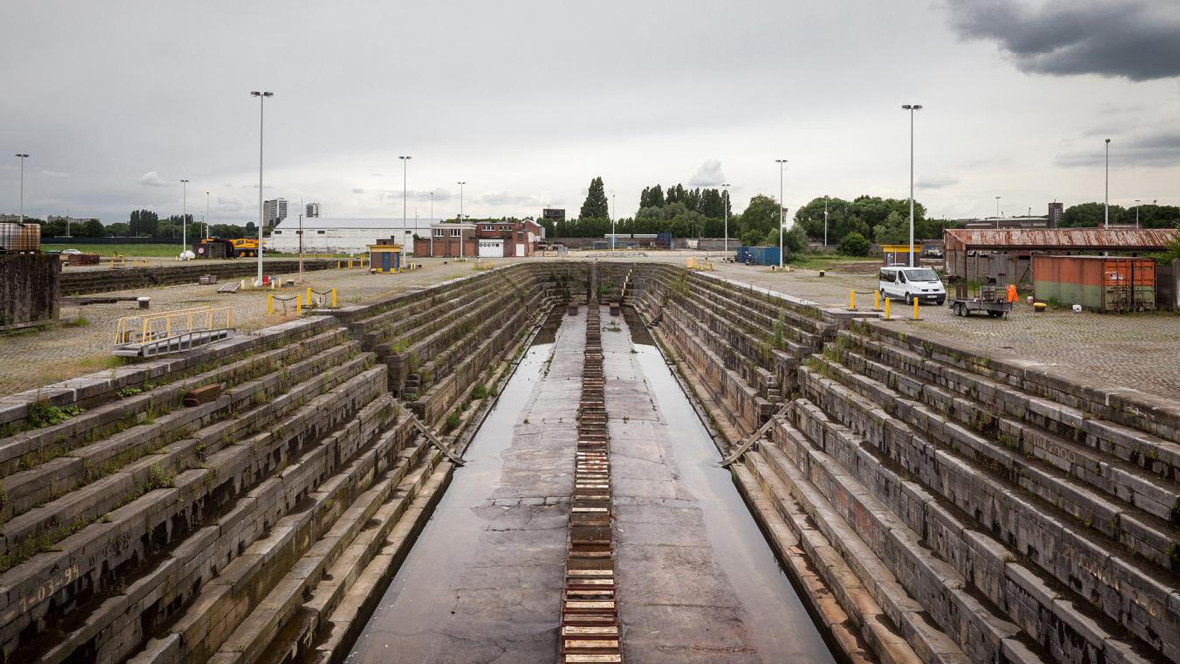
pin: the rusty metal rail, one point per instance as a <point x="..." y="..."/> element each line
<point x="589" y="610"/>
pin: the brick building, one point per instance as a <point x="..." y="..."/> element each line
<point x="484" y="239"/>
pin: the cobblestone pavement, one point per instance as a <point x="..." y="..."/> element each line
<point x="82" y="343"/>
<point x="1140" y="351"/>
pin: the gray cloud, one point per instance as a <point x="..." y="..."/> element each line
<point x="936" y="182"/>
<point x="1133" y="39"/>
<point x="501" y="198"/>
<point x="1160" y="148"/>
<point x="153" y="179"/>
<point x="358" y="190"/>
<point x="708" y="175"/>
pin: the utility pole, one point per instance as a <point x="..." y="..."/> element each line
<point x="300" y="234"/>
<point x="405" y="168"/>
<point x="207" y="217"/>
<point x="612" y="221"/>
<point x="825" y="220"/>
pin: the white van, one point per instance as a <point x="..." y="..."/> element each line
<point x="922" y="283"/>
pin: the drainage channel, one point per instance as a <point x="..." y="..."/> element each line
<point x="589" y="611"/>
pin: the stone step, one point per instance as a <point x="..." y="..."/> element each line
<point x="951" y="564"/>
<point x="1123" y="589"/>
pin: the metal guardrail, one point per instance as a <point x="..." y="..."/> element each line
<point x="146" y="329"/>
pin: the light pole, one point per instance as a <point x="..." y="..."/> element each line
<point x="405" y="167"/>
<point x="23" y="156"/>
<point x="612" y="221"/>
<point x="725" y="211"/>
<point x="912" y="108"/>
<point x="432" y="223"/>
<point x="461" y="218"/>
<point x="262" y="95"/>
<point x="1136" y="213"/>
<point x="997" y="211"/>
<point x="825" y="220"/>
<point x="183" y="218"/>
<point x="206" y="215"/>
<point x="1106" y="200"/>
<point x="782" y="165"/>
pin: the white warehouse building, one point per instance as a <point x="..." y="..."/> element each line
<point x="324" y="235"/>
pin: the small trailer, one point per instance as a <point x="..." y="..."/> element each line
<point x="991" y="299"/>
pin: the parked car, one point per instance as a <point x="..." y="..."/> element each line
<point x="71" y="252"/>
<point x="910" y="283"/>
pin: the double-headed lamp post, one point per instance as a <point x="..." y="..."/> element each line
<point x="1136" y="213"/>
<point x="23" y="156"/>
<point x="207" y="217"/>
<point x="725" y="211"/>
<point x="911" y="108"/>
<point x="461" y="217"/>
<point x="262" y="95"/>
<point x="183" y="217"/>
<point x="782" y="165"/>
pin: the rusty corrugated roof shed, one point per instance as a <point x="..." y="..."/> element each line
<point x="1059" y="239"/>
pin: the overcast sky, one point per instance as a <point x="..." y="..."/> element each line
<point x="527" y="100"/>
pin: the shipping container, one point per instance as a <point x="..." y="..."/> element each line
<point x="15" y="236"/>
<point x="1107" y="284"/>
<point x="758" y="255"/>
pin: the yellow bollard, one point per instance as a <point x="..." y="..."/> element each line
<point x="915" y="308"/>
<point x="852" y="300"/>
<point x="886" y="308"/>
<point x="337" y="264"/>
<point x="298" y="303"/>
<point x="876" y="300"/>
<point x="309" y="296"/>
<point x="270" y="303"/>
<point x="333" y="298"/>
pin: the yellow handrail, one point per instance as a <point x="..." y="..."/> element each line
<point x="172" y="323"/>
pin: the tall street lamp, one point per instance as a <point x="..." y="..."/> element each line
<point x="725" y="211"/>
<point x="461" y="218"/>
<point x="432" y="223"/>
<point x="782" y="164"/>
<point x="825" y="220"/>
<point x="207" y="217"/>
<point x="405" y="167"/>
<point x="997" y="211"/>
<point x="183" y="218"/>
<point x="1136" y="213"/>
<point x="912" y="108"/>
<point x="612" y="221"/>
<point x="23" y="156"/>
<point x="1106" y="200"/>
<point x="262" y="95"/>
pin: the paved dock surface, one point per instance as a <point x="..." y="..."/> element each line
<point x="697" y="582"/>
<point x="483" y="583"/>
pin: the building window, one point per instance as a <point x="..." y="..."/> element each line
<point x="438" y="232"/>
<point x="320" y="232"/>
<point x="276" y="232"/>
<point x="455" y="232"/>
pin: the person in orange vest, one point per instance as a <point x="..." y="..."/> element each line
<point x="1012" y="296"/>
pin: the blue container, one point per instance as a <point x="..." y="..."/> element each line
<point x="758" y="255"/>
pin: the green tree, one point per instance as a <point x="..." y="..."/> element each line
<point x="119" y="229"/>
<point x="761" y="215"/>
<point x="596" y="205"/>
<point x="894" y="230"/>
<point x="90" y="228"/>
<point x="855" y="244"/>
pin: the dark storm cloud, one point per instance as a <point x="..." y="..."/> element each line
<point x="1134" y="39"/>
<point x="1156" y="149"/>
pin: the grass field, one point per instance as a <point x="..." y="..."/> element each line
<point x="134" y="250"/>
